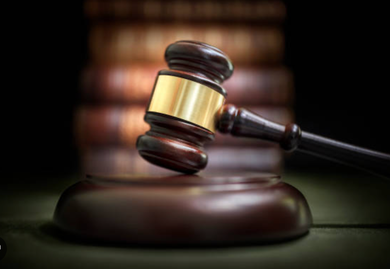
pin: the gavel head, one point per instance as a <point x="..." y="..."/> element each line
<point x="184" y="106"/>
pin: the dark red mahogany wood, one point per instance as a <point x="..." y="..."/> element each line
<point x="184" y="209"/>
<point x="174" y="143"/>
<point x="199" y="58"/>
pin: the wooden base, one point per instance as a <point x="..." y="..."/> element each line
<point x="184" y="209"/>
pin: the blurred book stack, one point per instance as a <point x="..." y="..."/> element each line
<point x="127" y="40"/>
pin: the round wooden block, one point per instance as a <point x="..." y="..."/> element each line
<point x="184" y="209"/>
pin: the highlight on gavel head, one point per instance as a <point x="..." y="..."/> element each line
<point x="183" y="108"/>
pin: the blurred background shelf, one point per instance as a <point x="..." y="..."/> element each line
<point x="337" y="57"/>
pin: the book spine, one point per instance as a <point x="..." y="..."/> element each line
<point x="117" y="161"/>
<point x="119" y="84"/>
<point x="109" y="125"/>
<point x="252" y="86"/>
<point x="201" y="10"/>
<point x="134" y="83"/>
<point x="126" y="43"/>
<point x="245" y="159"/>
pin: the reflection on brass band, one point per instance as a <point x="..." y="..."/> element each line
<point x="186" y="99"/>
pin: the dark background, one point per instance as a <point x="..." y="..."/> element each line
<point x="338" y="52"/>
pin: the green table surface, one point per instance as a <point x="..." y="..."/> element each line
<point x="351" y="214"/>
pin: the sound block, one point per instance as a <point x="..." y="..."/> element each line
<point x="184" y="209"/>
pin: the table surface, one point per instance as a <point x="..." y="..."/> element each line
<point x="351" y="230"/>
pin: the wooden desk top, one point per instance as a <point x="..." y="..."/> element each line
<point x="351" y="230"/>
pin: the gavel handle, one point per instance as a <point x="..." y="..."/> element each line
<point x="241" y="122"/>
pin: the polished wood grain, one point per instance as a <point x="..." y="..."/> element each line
<point x="199" y="58"/>
<point x="221" y="208"/>
<point x="174" y="143"/>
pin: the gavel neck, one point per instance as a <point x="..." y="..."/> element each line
<point x="244" y="123"/>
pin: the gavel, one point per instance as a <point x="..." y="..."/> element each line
<point x="187" y="108"/>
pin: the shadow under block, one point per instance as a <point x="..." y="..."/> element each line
<point x="184" y="209"/>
